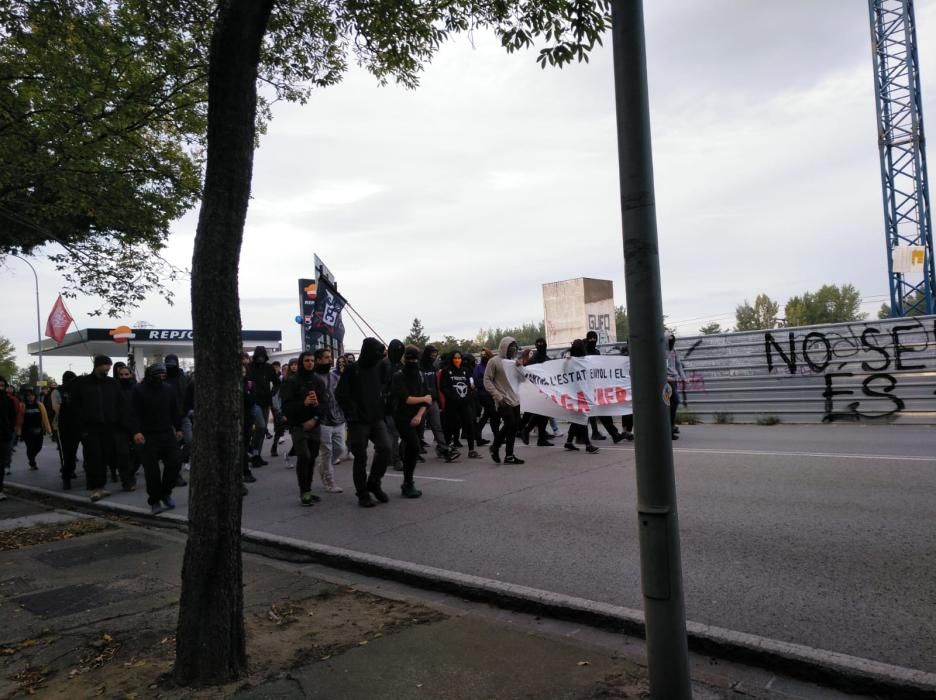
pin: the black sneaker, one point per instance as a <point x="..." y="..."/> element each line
<point x="249" y="478"/>
<point x="365" y="501"/>
<point x="452" y="455"/>
<point x="525" y="437"/>
<point x="675" y="435"/>
<point x="378" y="493"/>
<point x="571" y="447"/>
<point x="481" y="442"/>
<point x="591" y="449"/>
<point x="410" y="491"/>
<point x="628" y="435"/>
<point x="544" y="443"/>
<point x="66" y="484"/>
<point x="598" y="436"/>
<point x="495" y="453"/>
<point x="617" y="437"/>
<point x="512" y="459"/>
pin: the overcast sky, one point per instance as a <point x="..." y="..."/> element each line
<point x="457" y="201"/>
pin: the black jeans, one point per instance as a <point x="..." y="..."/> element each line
<point x="510" y="421"/>
<point x="306" y="445"/>
<point x="98" y="445"/>
<point x="68" y="452"/>
<point x="607" y="422"/>
<point x="579" y="433"/>
<point x="530" y="421"/>
<point x="460" y="417"/>
<point x="673" y="404"/>
<point x="125" y="458"/>
<point x="359" y="434"/>
<point x="488" y="413"/>
<point x="6" y="449"/>
<point x="33" y="446"/>
<point x="409" y="437"/>
<point x="160" y="447"/>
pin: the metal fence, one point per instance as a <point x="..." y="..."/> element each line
<point x="864" y="371"/>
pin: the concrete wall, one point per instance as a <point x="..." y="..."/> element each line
<point x="573" y="307"/>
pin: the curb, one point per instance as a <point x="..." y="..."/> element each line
<point x="832" y="669"/>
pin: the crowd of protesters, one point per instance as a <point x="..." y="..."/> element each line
<point x="387" y="399"/>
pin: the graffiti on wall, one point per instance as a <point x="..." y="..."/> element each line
<point x="844" y="352"/>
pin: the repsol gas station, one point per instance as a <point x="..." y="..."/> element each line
<point x="139" y="347"/>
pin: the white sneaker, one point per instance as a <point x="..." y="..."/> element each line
<point x="289" y="463"/>
<point x="333" y="488"/>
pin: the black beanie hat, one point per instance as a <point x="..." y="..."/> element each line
<point x="102" y="360"/>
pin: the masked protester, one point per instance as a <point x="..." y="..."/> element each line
<point x="409" y="399"/>
<point x="35" y="426"/>
<point x="455" y="385"/>
<point x="488" y="411"/>
<point x="506" y="400"/>
<point x="627" y="422"/>
<point x="125" y="455"/>
<point x="394" y="361"/>
<point x="331" y="423"/>
<point x="532" y="420"/>
<point x="301" y="404"/>
<point x="591" y="348"/>
<point x="66" y="424"/>
<point x="180" y="381"/>
<point x="674" y="374"/>
<point x="265" y="382"/>
<point x="428" y="366"/>
<point x="156" y="416"/>
<point x="360" y="395"/>
<point x="578" y="433"/>
<point x="97" y="405"/>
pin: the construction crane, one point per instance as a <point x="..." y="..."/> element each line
<point x="902" y="146"/>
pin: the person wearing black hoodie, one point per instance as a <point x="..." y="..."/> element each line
<point x="156" y="424"/>
<point x="7" y="427"/>
<point x="361" y="395"/>
<point x="578" y="432"/>
<point x="180" y="381"/>
<point x="455" y="385"/>
<point x="394" y="362"/>
<point x="591" y="348"/>
<point x="125" y="454"/>
<point x="433" y="418"/>
<point x="265" y="382"/>
<point x="97" y="405"/>
<point x="409" y="398"/>
<point x="532" y="420"/>
<point x="65" y="423"/>
<point x="302" y="396"/>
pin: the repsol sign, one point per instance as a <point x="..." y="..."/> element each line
<point x="162" y="334"/>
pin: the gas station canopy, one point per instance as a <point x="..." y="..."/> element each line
<point x="141" y="343"/>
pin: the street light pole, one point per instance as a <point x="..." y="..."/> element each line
<point x="660" y="560"/>
<point x="38" y="321"/>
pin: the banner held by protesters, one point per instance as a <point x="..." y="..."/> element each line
<point x="576" y="388"/>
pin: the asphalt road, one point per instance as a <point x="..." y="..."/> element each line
<point x="818" y="535"/>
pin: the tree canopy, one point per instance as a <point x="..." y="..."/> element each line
<point x="762" y="315"/>
<point x="713" y="328"/>
<point x="7" y="358"/>
<point x="831" y="304"/>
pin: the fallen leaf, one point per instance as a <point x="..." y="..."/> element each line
<point x="107" y="638"/>
<point x="130" y="696"/>
<point x="584" y="663"/>
<point x="164" y="640"/>
<point x="377" y="635"/>
<point x="325" y="658"/>
<point x="361" y="644"/>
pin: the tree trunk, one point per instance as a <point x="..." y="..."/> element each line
<point x="210" y="643"/>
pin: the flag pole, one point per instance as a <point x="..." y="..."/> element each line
<point x="38" y="317"/>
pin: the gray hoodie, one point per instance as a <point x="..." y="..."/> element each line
<point x="495" y="376"/>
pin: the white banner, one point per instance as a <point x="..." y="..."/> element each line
<point x="574" y="389"/>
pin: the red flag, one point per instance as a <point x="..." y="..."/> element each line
<point x="59" y="321"/>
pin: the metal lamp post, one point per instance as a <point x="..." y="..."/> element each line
<point x="38" y="321"/>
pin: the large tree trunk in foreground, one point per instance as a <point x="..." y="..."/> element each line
<point x="210" y="643"/>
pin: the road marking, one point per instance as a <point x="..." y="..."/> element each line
<point x="765" y="453"/>
<point x="434" y="478"/>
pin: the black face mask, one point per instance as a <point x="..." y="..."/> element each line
<point x="126" y="381"/>
<point x="411" y="366"/>
<point x="322" y="369"/>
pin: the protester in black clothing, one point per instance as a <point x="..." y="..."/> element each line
<point x="7" y="428"/>
<point x="532" y="420"/>
<point x="578" y="432"/>
<point x="300" y="397"/>
<point x="488" y="411"/>
<point x="249" y="423"/>
<point x="627" y="422"/>
<point x="456" y="387"/>
<point x="428" y="365"/>
<point x="97" y="404"/>
<point x="591" y="348"/>
<point x="126" y="457"/>
<point x="156" y="419"/>
<point x="409" y="398"/>
<point x="360" y="394"/>
<point x="394" y="361"/>
<point x="265" y="381"/>
<point x="179" y="380"/>
<point x="68" y="427"/>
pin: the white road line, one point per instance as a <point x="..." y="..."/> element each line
<point x="420" y="476"/>
<point x="764" y="453"/>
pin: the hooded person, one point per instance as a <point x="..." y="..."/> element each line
<point x="455" y="385"/>
<point x="180" y="381"/>
<point x="429" y="365"/>
<point x="7" y="427"/>
<point x="674" y="374"/>
<point x="65" y="425"/>
<point x="97" y="409"/>
<point x="578" y="432"/>
<point x="156" y="426"/>
<point x="302" y="396"/>
<point x="394" y="362"/>
<point x="591" y="348"/>
<point x="125" y="454"/>
<point x="488" y="410"/>
<point x="265" y="382"/>
<point x="532" y="420"/>
<point x="409" y="400"/>
<point x="361" y="396"/>
<point x="505" y="399"/>
<point x="35" y="425"/>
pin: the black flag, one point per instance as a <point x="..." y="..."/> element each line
<point x="328" y="307"/>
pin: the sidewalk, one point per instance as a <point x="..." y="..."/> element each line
<point x="89" y="607"/>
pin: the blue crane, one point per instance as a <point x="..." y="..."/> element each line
<point x="902" y="147"/>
